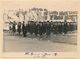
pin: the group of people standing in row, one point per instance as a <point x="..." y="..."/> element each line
<point x="40" y="28"/>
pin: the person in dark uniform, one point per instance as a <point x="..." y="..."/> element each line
<point x="40" y="29"/>
<point x="59" y="28"/>
<point x="72" y="23"/>
<point x="44" y="27"/>
<point x="19" y="28"/>
<point x="52" y="27"/>
<point x="55" y="28"/>
<point x="68" y="25"/>
<point x="65" y="27"/>
<point x="48" y="29"/>
<point x="24" y="29"/>
<point x="10" y="27"/>
<point x="28" y="27"/>
<point x="75" y="26"/>
<point x="31" y="27"/>
<point x="36" y="28"/>
<point x="14" y="27"/>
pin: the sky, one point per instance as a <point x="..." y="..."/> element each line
<point x="49" y="4"/>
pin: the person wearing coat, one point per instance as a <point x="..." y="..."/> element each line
<point x="14" y="27"/>
<point x="24" y="29"/>
<point x="19" y="28"/>
<point x="48" y="29"/>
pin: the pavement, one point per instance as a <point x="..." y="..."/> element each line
<point x="56" y="43"/>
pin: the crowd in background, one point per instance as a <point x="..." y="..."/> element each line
<point x="40" y="28"/>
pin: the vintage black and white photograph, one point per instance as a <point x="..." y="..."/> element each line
<point x="39" y="30"/>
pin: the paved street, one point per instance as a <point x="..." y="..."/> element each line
<point x="33" y="44"/>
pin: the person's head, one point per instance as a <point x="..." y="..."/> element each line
<point x="19" y="23"/>
<point x="13" y="21"/>
<point x="51" y="21"/>
<point x="47" y="22"/>
<point x="23" y="22"/>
